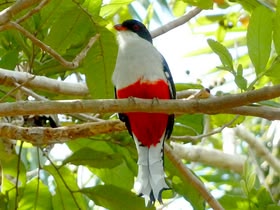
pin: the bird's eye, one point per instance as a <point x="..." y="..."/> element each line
<point x="136" y="27"/>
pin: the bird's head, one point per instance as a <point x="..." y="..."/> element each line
<point x="136" y="27"/>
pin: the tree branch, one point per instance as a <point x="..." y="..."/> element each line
<point x="7" y="14"/>
<point x="198" y="137"/>
<point x="33" y="11"/>
<point x="258" y="147"/>
<point x="212" y="157"/>
<point x="7" y="23"/>
<point x="42" y="83"/>
<point x="191" y="178"/>
<point x="223" y="104"/>
<point x="46" y="135"/>
<point x="68" y="64"/>
<point x="175" y="23"/>
<point x="32" y="81"/>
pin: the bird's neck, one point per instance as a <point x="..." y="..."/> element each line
<point x="137" y="59"/>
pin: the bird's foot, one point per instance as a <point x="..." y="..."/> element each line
<point x="131" y="99"/>
<point x="155" y="101"/>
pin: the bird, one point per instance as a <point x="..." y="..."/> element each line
<point x="142" y="72"/>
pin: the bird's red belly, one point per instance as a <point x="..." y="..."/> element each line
<point x="147" y="127"/>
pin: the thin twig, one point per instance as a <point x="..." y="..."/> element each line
<point x="175" y="23"/>
<point x="7" y="14"/>
<point x="17" y="178"/>
<point x="42" y="45"/>
<point x="259" y="171"/>
<point x="195" y="138"/>
<point x="68" y="64"/>
<point x="191" y="178"/>
<point x="33" y="11"/>
<point x="62" y="179"/>
<point x="15" y="89"/>
<point x="83" y="53"/>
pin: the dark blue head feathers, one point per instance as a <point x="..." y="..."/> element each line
<point x="136" y="27"/>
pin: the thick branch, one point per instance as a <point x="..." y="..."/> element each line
<point x="46" y="136"/>
<point x="42" y="83"/>
<point x="268" y="113"/>
<point x="211" y="157"/>
<point x="213" y="105"/>
<point x="34" y="82"/>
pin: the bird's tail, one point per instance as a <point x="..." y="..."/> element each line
<point x="150" y="181"/>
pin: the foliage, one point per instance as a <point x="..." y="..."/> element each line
<point x="99" y="171"/>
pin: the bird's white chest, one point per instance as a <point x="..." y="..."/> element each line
<point x="137" y="60"/>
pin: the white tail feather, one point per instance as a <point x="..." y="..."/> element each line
<point x="150" y="180"/>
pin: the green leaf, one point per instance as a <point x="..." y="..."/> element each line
<point x="270" y="103"/>
<point x="179" y="8"/>
<point x="49" y="68"/>
<point x="273" y="207"/>
<point x="10" y="172"/>
<point x="274" y="71"/>
<point x="259" y="37"/>
<point x="93" y="7"/>
<point x="54" y="11"/>
<point x="203" y="4"/>
<point x="234" y="202"/>
<point x="94" y="158"/>
<point x="264" y="197"/>
<point x="108" y="10"/>
<point x="114" y="198"/>
<point x="99" y="65"/>
<point x="186" y="86"/>
<point x="3" y="202"/>
<point x="222" y="119"/>
<point x="239" y="79"/>
<point x="251" y="181"/>
<point x="276" y="29"/>
<point x="71" y="29"/>
<point x="36" y="196"/>
<point x="9" y="167"/>
<point x="221" y="33"/>
<point x="249" y="5"/>
<point x="244" y="187"/>
<point x="65" y="187"/>
<point x="223" y="53"/>
<point x="121" y="175"/>
<point x="188" y="125"/>
<point x="9" y="60"/>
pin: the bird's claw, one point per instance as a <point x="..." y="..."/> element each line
<point x="131" y="99"/>
<point x="155" y="101"/>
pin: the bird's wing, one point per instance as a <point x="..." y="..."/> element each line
<point x="172" y="92"/>
<point x="123" y="117"/>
